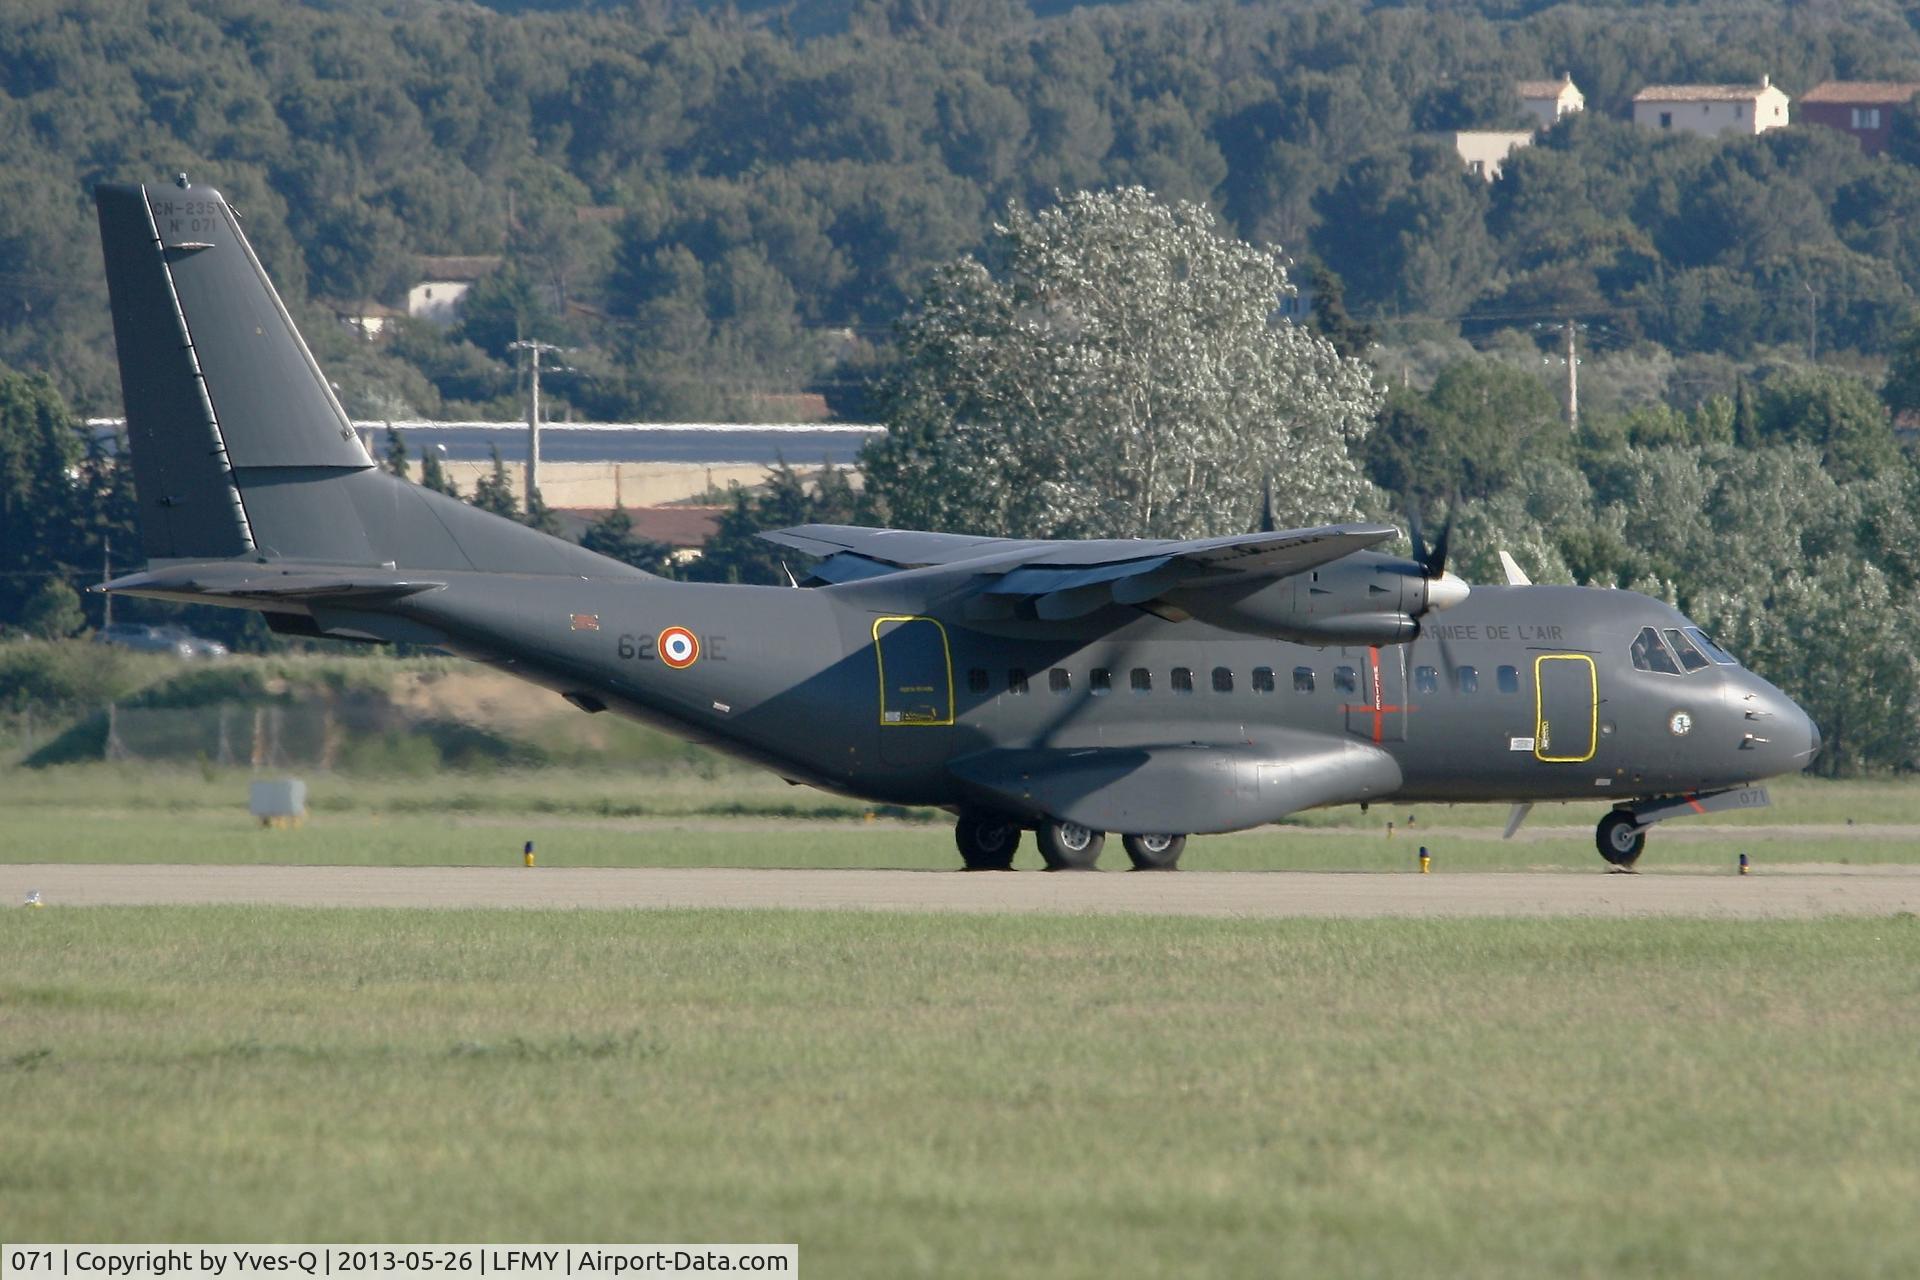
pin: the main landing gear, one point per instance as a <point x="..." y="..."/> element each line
<point x="988" y="844"/>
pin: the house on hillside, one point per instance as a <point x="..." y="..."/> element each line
<point x="1711" y="109"/>
<point x="1862" y="108"/>
<point x="443" y="281"/>
<point x="1548" y="100"/>
<point x="368" y="317"/>
<point x="1485" y="150"/>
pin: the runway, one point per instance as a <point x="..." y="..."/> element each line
<point x="1780" y="893"/>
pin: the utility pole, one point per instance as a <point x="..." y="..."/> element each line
<point x="1573" y="381"/>
<point x="533" y="347"/>
<point x="1813" y="324"/>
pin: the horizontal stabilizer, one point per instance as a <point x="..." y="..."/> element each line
<point x="220" y="581"/>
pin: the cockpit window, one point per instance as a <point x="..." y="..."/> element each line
<point x="1650" y="653"/>
<point x="1712" y="650"/>
<point x="1690" y="657"/>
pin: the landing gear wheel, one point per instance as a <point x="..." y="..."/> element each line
<point x="1154" y="852"/>
<point x="1620" y="839"/>
<point x="986" y="844"/>
<point x="1068" y="846"/>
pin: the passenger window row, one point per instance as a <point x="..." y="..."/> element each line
<point x="1346" y="679"/>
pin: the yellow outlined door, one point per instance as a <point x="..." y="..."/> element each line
<point x="1566" y="708"/>
<point x="915" y="669"/>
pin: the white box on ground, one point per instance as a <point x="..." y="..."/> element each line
<point x="279" y="798"/>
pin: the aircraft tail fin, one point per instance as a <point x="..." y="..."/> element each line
<point x="222" y="396"/>
<point x="240" y="449"/>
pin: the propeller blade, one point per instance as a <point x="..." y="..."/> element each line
<point x="1266" y="507"/>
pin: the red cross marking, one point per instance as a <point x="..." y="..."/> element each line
<point x="1378" y="708"/>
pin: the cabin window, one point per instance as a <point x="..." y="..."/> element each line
<point x="1263" y="679"/>
<point x="1346" y="680"/>
<point x="977" y="681"/>
<point x="1141" y="680"/>
<point x="1467" y="678"/>
<point x="1509" y="679"/>
<point x="1426" y="680"/>
<point x="1690" y="657"/>
<point x="1100" y="681"/>
<point x="1017" y="680"/>
<point x="1303" y="679"/>
<point x="1060" y="680"/>
<point x="1223" y="679"/>
<point x="1182" y="679"/>
<point x="1650" y="653"/>
<point x="1712" y="650"/>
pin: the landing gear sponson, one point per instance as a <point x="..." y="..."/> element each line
<point x="1622" y="834"/>
<point x="988" y="843"/>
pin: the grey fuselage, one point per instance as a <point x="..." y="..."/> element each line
<point x="791" y="679"/>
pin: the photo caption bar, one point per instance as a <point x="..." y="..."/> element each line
<point x="324" y="1261"/>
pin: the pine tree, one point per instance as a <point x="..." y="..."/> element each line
<point x="540" y="516"/>
<point x="434" y="476"/>
<point x="397" y="455"/>
<point x="494" y="492"/>
<point x="612" y="536"/>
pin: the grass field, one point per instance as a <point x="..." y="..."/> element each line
<point x="949" y="1096"/>
<point x="103" y="813"/>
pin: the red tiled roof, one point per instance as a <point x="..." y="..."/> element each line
<point x="675" y="526"/>
<point x="1849" y="92"/>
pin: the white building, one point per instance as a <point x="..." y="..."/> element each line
<point x="443" y="282"/>
<point x="1485" y="150"/>
<point x="1548" y="100"/>
<point x="1711" y="109"/>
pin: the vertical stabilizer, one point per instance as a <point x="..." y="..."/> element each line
<point x="221" y="392"/>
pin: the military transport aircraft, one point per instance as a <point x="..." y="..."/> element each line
<point x="1152" y="688"/>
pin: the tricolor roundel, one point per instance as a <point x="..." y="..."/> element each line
<point x="678" y="647"/>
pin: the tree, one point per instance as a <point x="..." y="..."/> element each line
<point x="434" y="476"/>
<point x="53" y="611"/>
<point x="494" y="491"/>
<point x="540" y="516"/>
<point x="1121" y="375"/>
<point x="396" y="458"/>
<point x="1470" y="433"/>
<point x="612" y="536"/>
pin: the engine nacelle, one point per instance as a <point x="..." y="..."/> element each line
<point x="1363" y="599"/>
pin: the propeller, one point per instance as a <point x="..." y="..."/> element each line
<point x="1266" y="506"/>
<point x="1444" y="590"/>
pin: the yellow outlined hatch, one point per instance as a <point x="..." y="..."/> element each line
<point x="921" y="692"/>
<point x="1543" y="732"/>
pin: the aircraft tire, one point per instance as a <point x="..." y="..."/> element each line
<point x="1155" y="852"/>
<point x="1620" y="838"/>
<point x="1068" y="846"/>
<point x="986" y="844"/>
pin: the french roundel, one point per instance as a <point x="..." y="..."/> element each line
<point x="678" y="647"/>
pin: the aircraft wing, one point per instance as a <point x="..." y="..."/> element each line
<point x="1067" y="579"/>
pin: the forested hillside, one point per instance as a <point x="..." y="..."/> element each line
<point x="709" y="203"/>
<point x="706" y="201"/>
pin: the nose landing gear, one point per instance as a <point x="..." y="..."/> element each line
<point x="1621" y="839"/>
